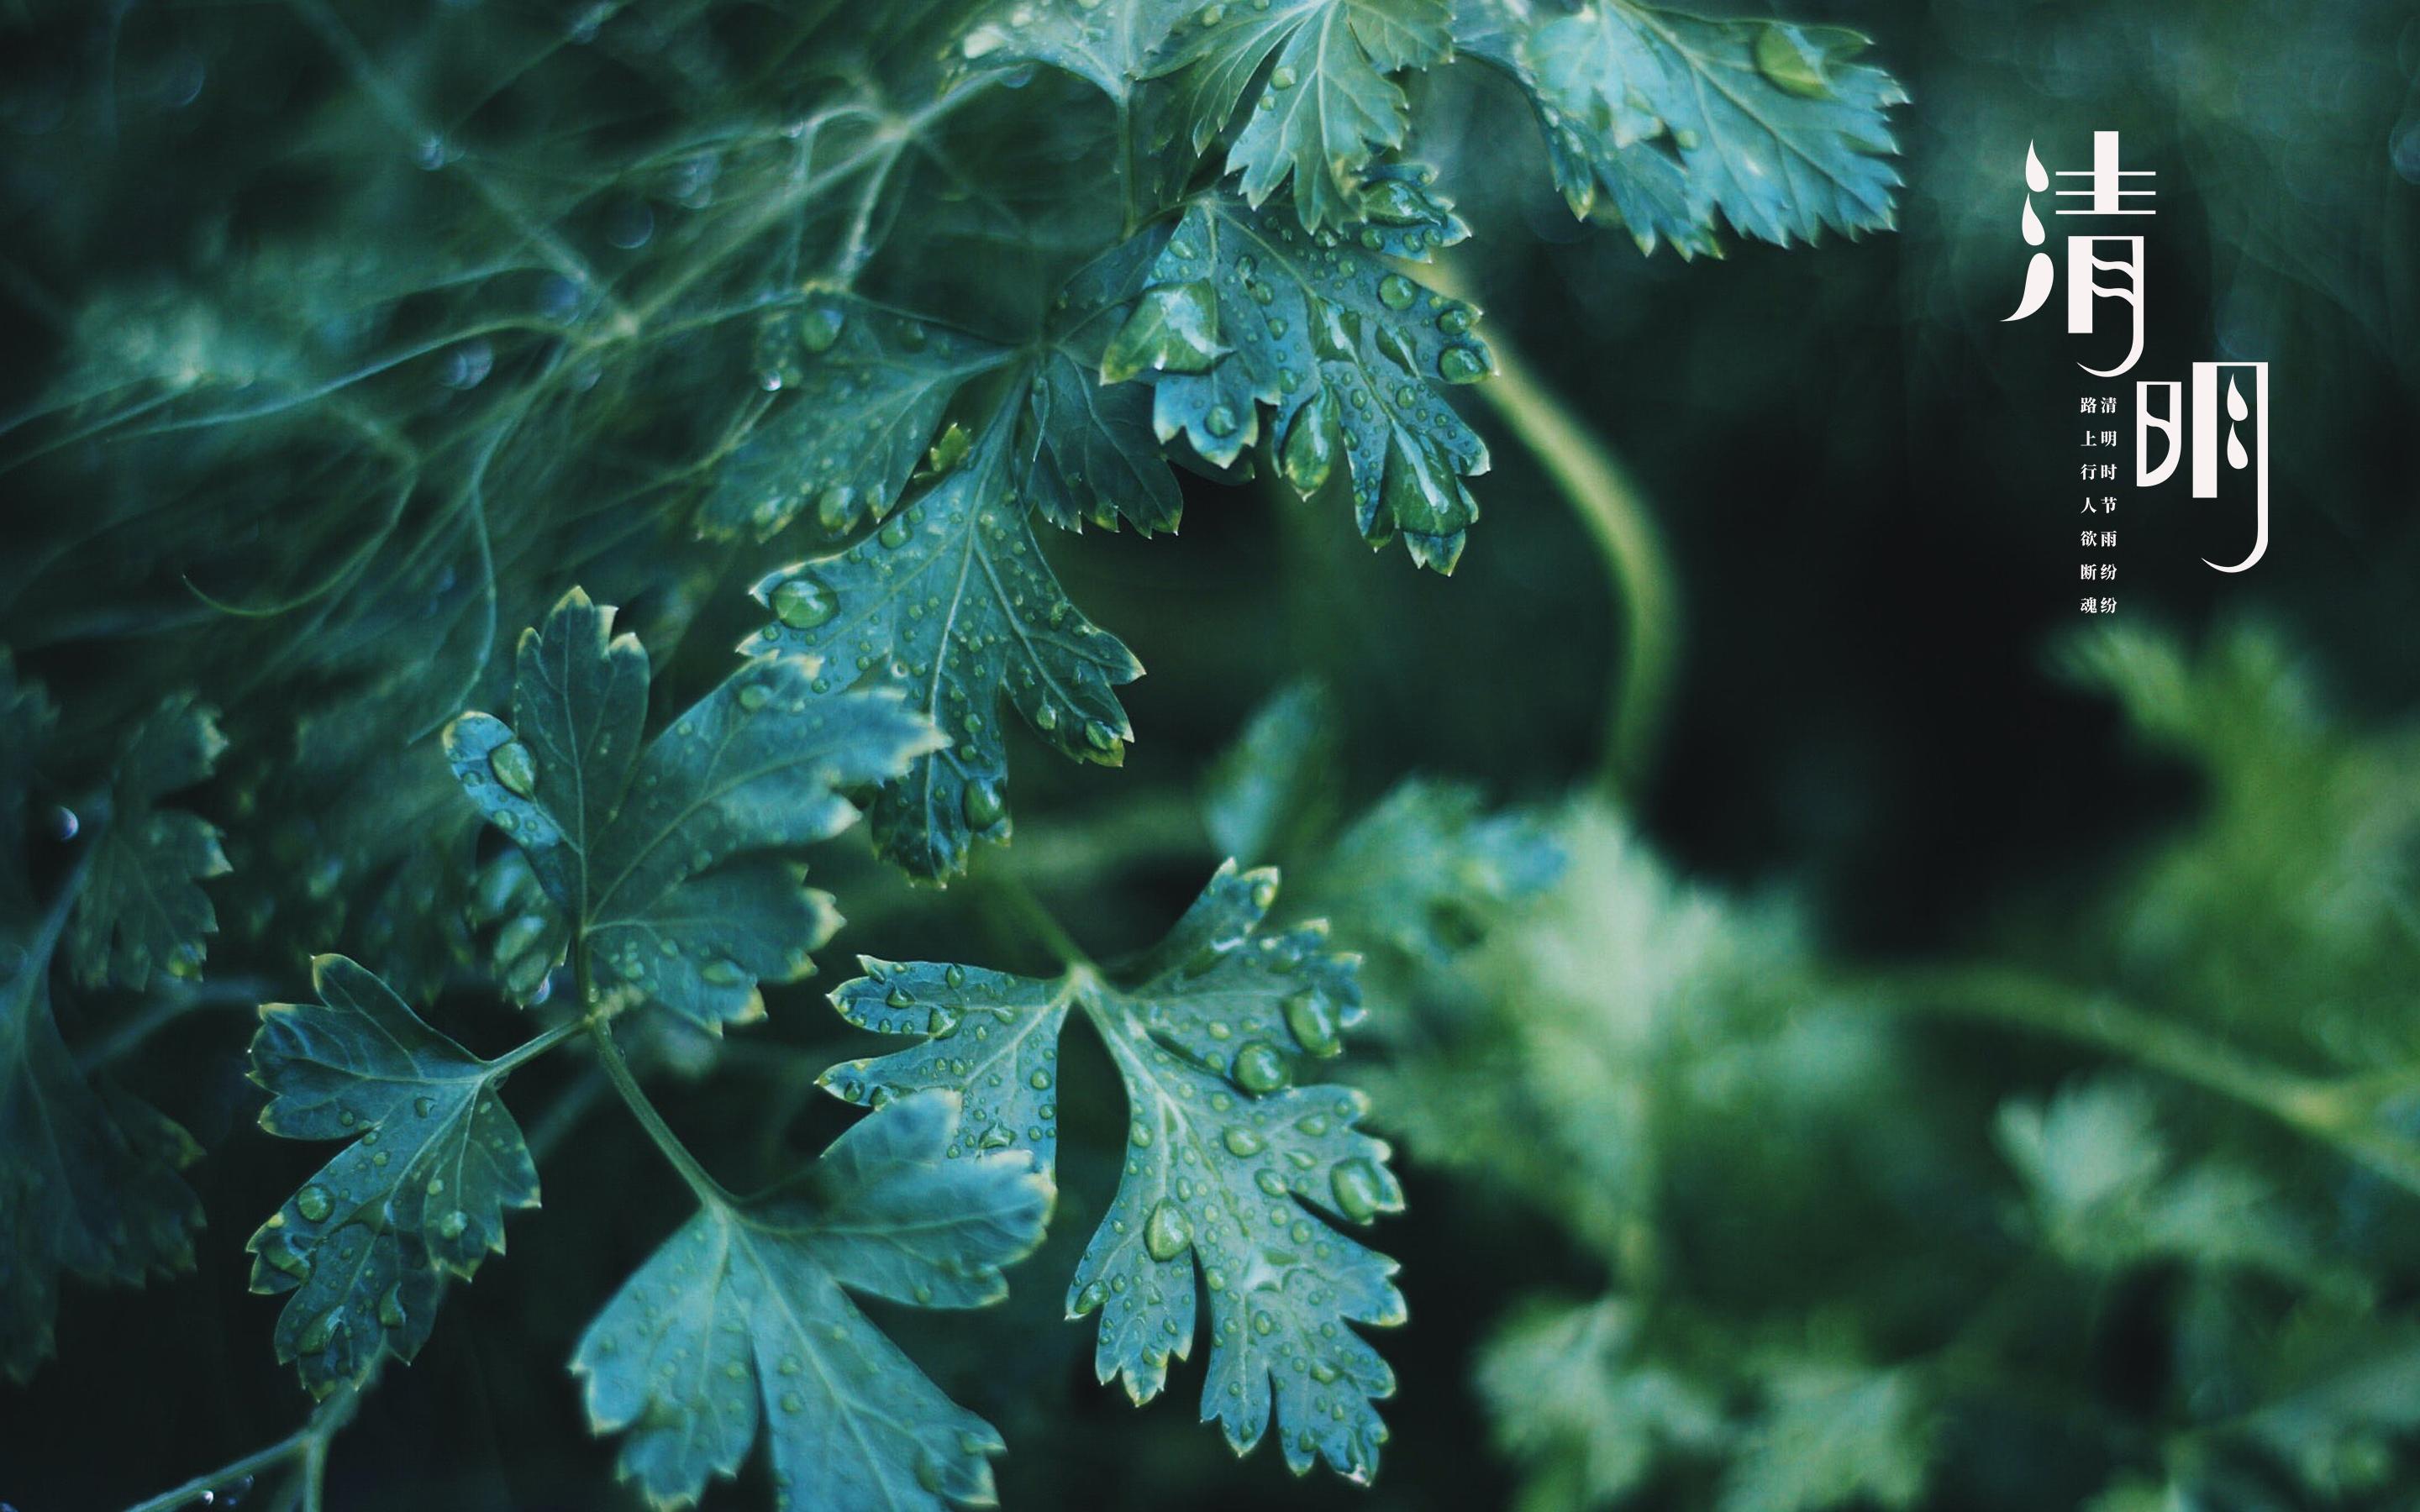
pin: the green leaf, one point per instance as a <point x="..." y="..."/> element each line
<point x="1324" y="108"/>
<point x="1348" y="353"/>
<point x="1087" y="450"/>
<point x="1103" y="43"/>
<point x="143" y="906"/>
<point x="1576" y="1396"/>
<point x="1429" y="868"/>
<point x="1662" y="122"/>
<point x="952" y="600"/>
<point x="1229" y="1167"/>
<point x="856" y="393"/>
<point x="2107" y="1193"/>
<point x="1833" y="1435"/>
<point x="668" y="855"/>
<point x="365" y="1245"/>
<point x="88" y="1182"/>
<point x="744" y="1316"/>
<point x="1273" y="790"/>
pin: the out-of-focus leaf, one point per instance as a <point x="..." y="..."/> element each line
<point x="1570" y="1402"/>
<point x="419" y="1195"/>
<point x="1833" y="1435"/>
<point x="2107" y="1191"/>
<point x="1275" y="787"/>
<point x="143" y="907"/>
<point x="88" y="1182"/>
<point x="1429" y="868"/>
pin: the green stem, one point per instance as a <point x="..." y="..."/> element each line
<point x="308" y="1443"/>
<point x="1007" y="890"/>
<point x="217" y="993"/>
<point x="1647" y="598"/>
<point x="533" y="1048"/>
<point x="617" y="1070"/>
<point x="634" y="1097"/>
<point x="2332" y="1113"/>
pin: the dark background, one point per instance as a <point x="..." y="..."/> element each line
<point x="1865" y="481"/>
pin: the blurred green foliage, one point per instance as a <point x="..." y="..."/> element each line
<point x="1971" y="1067"/>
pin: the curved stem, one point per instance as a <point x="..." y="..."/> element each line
<point x="634" y="1097"/>
<point x="307" y="1443"/>
<point x="210" y="1480"/>
<point x="2334" y="1113"/>
<point x="1019" y="899"/>
<point x="532" y="1048"/>
<point x="246" y="993"/>
<point x="1609" y="504"/>
<point x="617" y="1070"/>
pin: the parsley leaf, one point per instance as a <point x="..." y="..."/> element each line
<point x="364" y="1246"/>
<point x="1105" y="45"/>
<point x="1834" y="1434"/>
<point x="668" y="856"/>
<point x="1426" y="871"/>
<point x="1087" y="450"/>
<point x="1273" y="790"/>
<point x="143" y="906"/>
<point x="744" y="1316"/>
<point x="2107" y="1191"/>
<point x="1660" y="121"/>
<point x="952" y="599"/>
<point x="857" y="394"/>
<point x="1244" y="309"/>
<point x="1323" y="109"/>
<point x="1228" y="1166"/>
<point x="88" y="1181"/>
<point x="1428" y="868"/>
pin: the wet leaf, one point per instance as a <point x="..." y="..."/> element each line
<point x="672" y="855"/>
<point x="952" y="603"/>
<point x="88" y="1182"/>
<point x="1346" y="354"/>
<point x="856" y="393"/>
<point x="1671" y="124"/>
<point x="143" y="907"/>
<point x="365" y="1245"/>
<point x="1313" y="82"/>
<point x="743" y="1320"/>
<point x="1233" y="1177"/>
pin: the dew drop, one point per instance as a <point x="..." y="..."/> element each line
<point x="1260" y="1069"/>
<point x="820" y="327"/>
<point x="1359" y="1194"/>
<point x="1313" y="1023"/>
<point x="983" y="805"/>
<point x="1167" y="1232"/>
<point x="802" y="603"/>
<point x="515" y="767"/>
<point x="1462" y="364"/>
